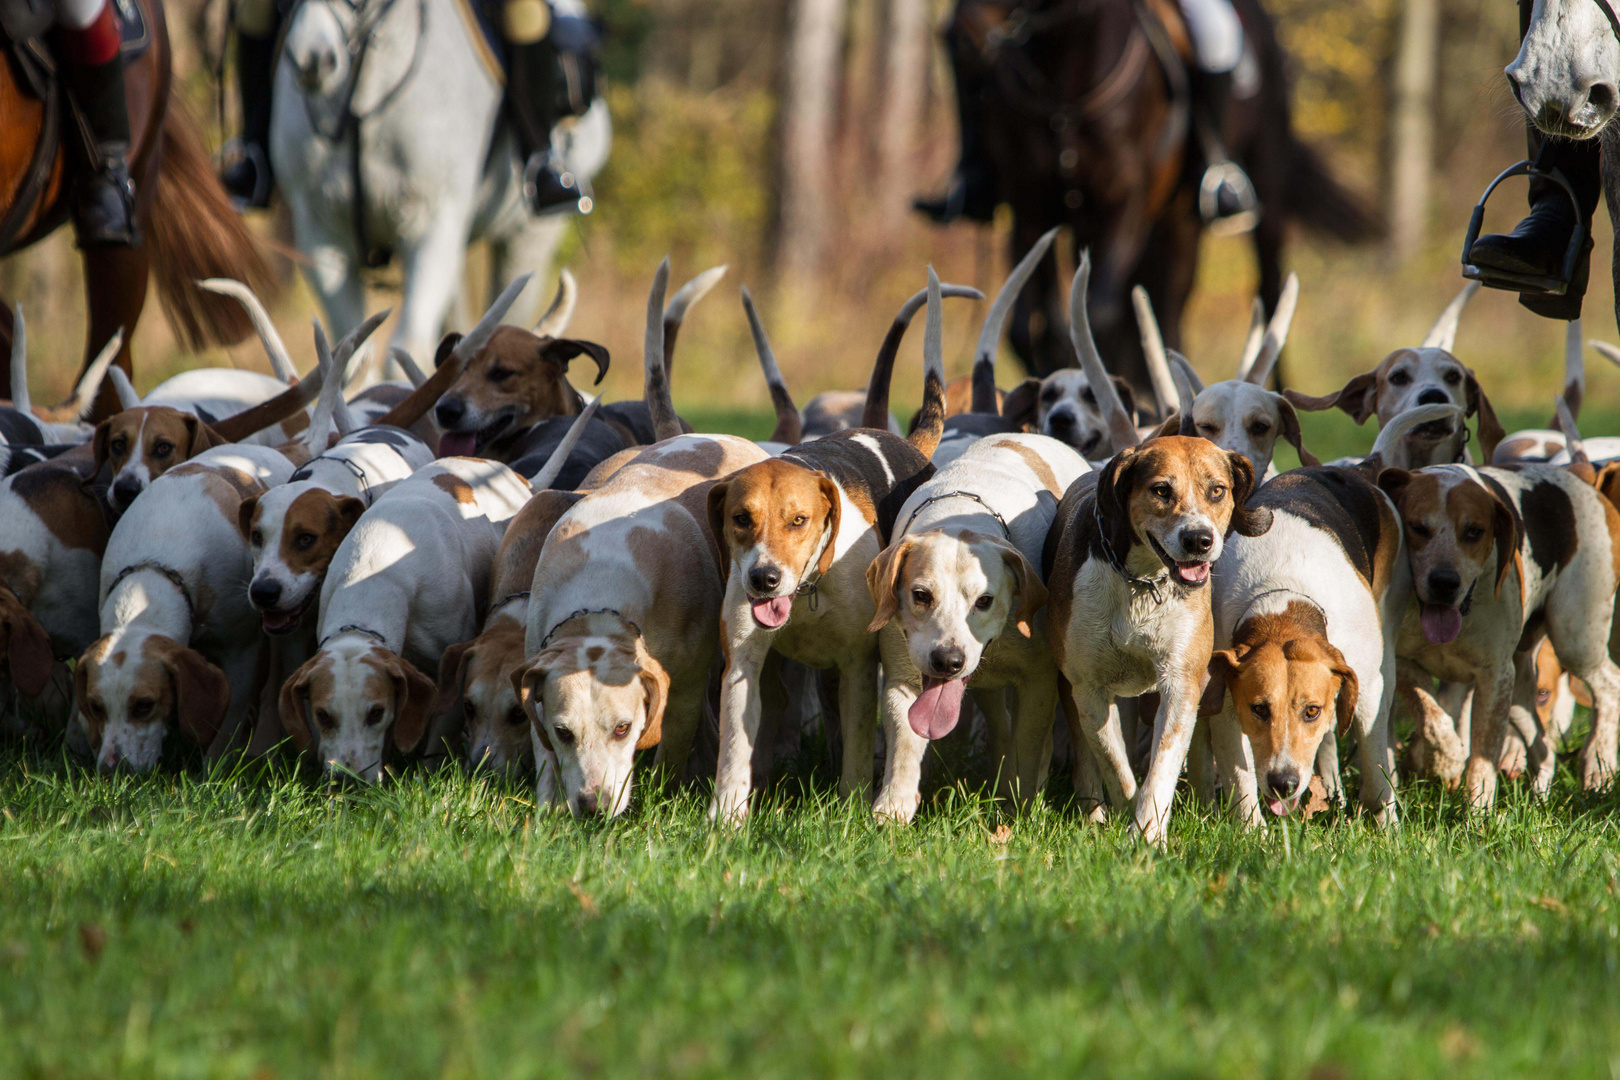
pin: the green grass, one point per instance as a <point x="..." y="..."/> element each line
<point x="254" y="925"/>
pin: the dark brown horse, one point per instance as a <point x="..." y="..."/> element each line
<point x="1086" y="120"/>
<point x="189" y="229"/>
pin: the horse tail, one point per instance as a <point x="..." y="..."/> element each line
<point x="196" y="233"/>
<point x="1316" y="200"/>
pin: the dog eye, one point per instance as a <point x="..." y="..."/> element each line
<point x="141" y="709"/>
<point x="120" y="445"/>
<point x="563" y="735"/>
<point x="742" y="521"/>
<point x="469" y="708"/>
<point x="798" y="520"/>
<point x="922" y="597"/>
<point x="1162" y="490"/>
<point x="1261" y="712"/>
<point x="1400" y="378"/>
<point x="1049" y="395"/>
<point x="162" y="449"/>
<point x="1472" y="533"/>
<point x="515" y="717"/>
<point x="621" y="729"/>
<point x="1453" y="378"/>
<point x="324" y="719"/>
<point x="374" y="716"/>
<point x="1543" y="696"/>
<point x="304" y="541"/>
<point x="256" y="539"/>
<point x="1088" y="397"/>
<point x="1312" y="711"/>
<point x="1217" y="492"/>
<point x="1422" y="532"/>
<point x="500" y="374"/>
<point x="1209" y="431"/>
<point x="983" y="603"/>
<point x="1258" y="429"/>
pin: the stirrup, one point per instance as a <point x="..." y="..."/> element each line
<point x="568" y="178"/>
<point x="1533" y="284"/>
<point x="1228" y="175"/>
<point x="234" y="151"/>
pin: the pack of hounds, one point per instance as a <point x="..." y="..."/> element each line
<point x="487" y="564"/>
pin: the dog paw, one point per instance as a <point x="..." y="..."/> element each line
<point x="898" y="810"/>
<point x="1596" y="774"/>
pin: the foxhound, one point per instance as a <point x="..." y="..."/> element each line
<point x="1306" y="619"/>
<point x="179" y="645"/>
<point x="960" y="603"/>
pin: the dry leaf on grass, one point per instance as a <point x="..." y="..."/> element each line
<point x="586" y="904"/>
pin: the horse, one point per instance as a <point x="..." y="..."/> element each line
<point x="1087" y="121"/>
<point x="188" y="227"/>
<point x="1566" y="77"/>
<point x="396" y="98"/>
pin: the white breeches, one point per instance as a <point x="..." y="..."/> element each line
<point x="1217" y="35"/>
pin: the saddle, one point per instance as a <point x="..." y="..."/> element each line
<point x="578" y="41"/>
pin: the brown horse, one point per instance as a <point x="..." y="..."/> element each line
<point x="188" y="226"/>
<point x="1086" y="120"/>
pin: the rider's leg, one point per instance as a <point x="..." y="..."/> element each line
<point x="1537" y="245"/>
<point x="972" y="189"/>
<point x="532" y="87"/>
<point x="104" y="194"/>
<point x="247" y="176"/>
<point x="1226" y="196"/>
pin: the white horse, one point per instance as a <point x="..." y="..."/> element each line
<point x="437" y="166"/>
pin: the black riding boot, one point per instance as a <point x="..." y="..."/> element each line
<point x="1226" y="198"/>
<point x="1537" y="246"/>
<point x="247" y="174"/>
<point x="531" y="92"/>
<point x="971" y="191"/>
<point x="104" y="195"/>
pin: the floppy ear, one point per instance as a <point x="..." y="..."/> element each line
<point x="1359" y="397"/>
<point x="202" y="437"/>
<point x="1345" y="703"/>
<point x="835" y="513"/>
<point x="413" y="698"/>
<point x="1114" y="500"/>
<point x="1246" y="521"/>
<point x="1393" y="482"/>
<point x="1177" y="423"/>
<point x="1608" y="481"/>
<point x="98" y="444"/>
<point x="202" y="693"/>
<point x="296" y="720"/>
<point x="529" y="686"/>
<point x="1291" y="432"/>
<point x="1031" y="589"/>
<point x="1490" y="428"/>
<point x="1222" y="663"/>
<point x="81" y="690"/>
<point x="655" y="683"/>
<point x="28" y="648"/>
<point x="561" y="350"/>
<point x="349" y="510"/>
<point x="717" y="526"/>
<point x="1127" y="396"/>
<point x="442" y="353"/>
<point x="1022" y="404"/>
<point x="882" y="577"/>
<point x="244" y="515"/>
<point x="452" y="676"/>
<point x="1506" y="525"/>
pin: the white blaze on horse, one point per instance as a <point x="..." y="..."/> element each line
<point x="407" y="82"/>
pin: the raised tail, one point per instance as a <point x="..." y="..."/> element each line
<point x="679" y="305"/>
<point x="985" y="401"/>
<point x="930" y="424"/>
<point x="547" y="476"/>
<point x="666" y="425"/>
<point x="789" y="424"/>
<point x="252" y="421"/>
<point x="195" y="233"/>
<point x="876" y="413"/>
<point x="1320" y="203"/>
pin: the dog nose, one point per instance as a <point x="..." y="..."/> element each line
<point x="1282" y="782"/>
<point x="948" y="662"/>
<point x="1060" y="421"/>
<point x="110" y="761"/>
<point x="764" y="578"/>
<point x="589" y="805"/>
<point x="124" y="492"/>
<point x="264" y="593"/>
<point x="1433" y="396"/>
<point x="1197" y="541"/>
<point x="1443" y="584"/>
<point x="450" y="411"/>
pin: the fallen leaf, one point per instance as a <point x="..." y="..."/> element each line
<point x="1551" y="903"/>
<point x="586" y="904"/>
<point x="93" y="939"/>
<point x="1315" y="800"/>
<point x="1002" y="834"/>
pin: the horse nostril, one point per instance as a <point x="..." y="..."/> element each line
<point x="1433" y="396"/>
<point x="1602" y="97"/>
<point x="1515" y="86"/>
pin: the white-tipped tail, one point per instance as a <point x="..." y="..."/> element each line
<point x="407" y="363"/>
<point x="127" y="397"/>
<point x="1182" y="365"/>
<point x="280" y="362"/>
<point x="1158" y="364"/>
<point x="320" y="420"/>
<point x="561" y="312"/>
<point x="691" y="293"/>
<point x="655" y="380"/>
<point x="996" y="318"/>
<point x="469" y="346"/>
<point x="1403" y="425"/>
<point x="1443" y="335"/>
<point x="1276" y="333"/>
<point x="789" y="424"/>
<point x="1251" y="344"/>
<point x="1121" y="430"/>
<point x="553" y="467"/>
<point x="20" y="399"/>
<point x="84" y="393"/>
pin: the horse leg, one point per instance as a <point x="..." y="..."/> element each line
<point x="531" y="247"/>
<point x="115" y="292"/>
<point x="333" y="271"/>
<point x="1268" y="250"/>
<point x="433" y="270"/>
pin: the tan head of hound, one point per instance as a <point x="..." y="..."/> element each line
<point x="292" y="533"/>
<point x="345" y="700"/>
<point x="595" y="696"/>
<point x="517" y="380"/>
<point x="1458" y="531"/>
<point x="1405" y="379"/>
<point x="1287" y="691"/>
<point x="1240" y="416"/>
<point x="139" y="445"/>
<point x="952" y="596"/>
<point x="130" y="691"/>
<point x="777" y="526"/>
<point x="476" y="689"/>
<point x="1064" y="406"/>
<point x="1172" y="501"/>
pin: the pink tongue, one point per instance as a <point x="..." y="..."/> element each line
<point x="1277" y="807"/>
<point x="1441" y="624"/>
<point x="772" y="613"/>
<point x="1192" y="572"/>
<point x="457" y="444"/>
<point x="936" y="709"/>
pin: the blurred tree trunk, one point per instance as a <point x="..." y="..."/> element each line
<point x="905" y="78"/>
<point x="1412" y="130"/>
<point x="815" y="39"/>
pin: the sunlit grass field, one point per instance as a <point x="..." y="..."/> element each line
<point x="253" y="924"/>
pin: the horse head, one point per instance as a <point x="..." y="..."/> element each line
<point x="1568" y="68"/>
<point x="317" y="47"/>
